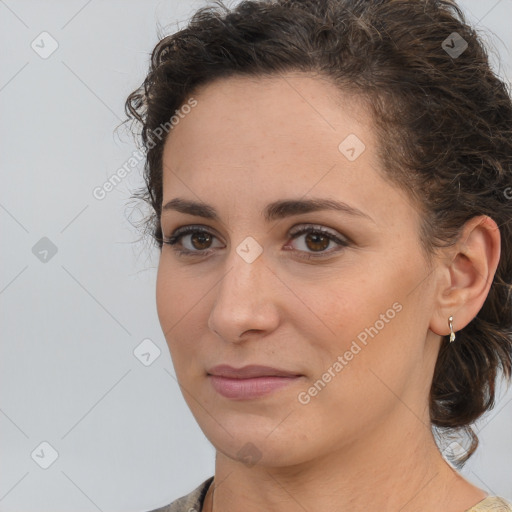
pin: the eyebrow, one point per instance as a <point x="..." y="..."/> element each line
<point x="276" y="210"/>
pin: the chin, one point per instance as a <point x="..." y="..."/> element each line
<point x="256" y="442"/>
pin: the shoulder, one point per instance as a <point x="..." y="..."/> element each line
<point x="192" y="502"/>
<point x="492" y="503"/>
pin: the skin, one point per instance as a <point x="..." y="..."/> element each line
<point x="251" y="141"/>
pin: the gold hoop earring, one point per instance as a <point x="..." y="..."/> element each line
<point x="452" y="334"/>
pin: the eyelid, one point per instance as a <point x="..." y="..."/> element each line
<point x="186" y="230"/>
<point x="300" y="228"/>
<point x="291" y="232"/>
<point x="341" y="240"/>
<point x="333" y="236"/>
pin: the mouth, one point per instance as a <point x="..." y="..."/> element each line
<point x="249" y="382"/>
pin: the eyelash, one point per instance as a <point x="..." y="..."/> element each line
<point x="186" y="230"/>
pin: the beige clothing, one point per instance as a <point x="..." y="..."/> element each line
<point x="193" y="502"/>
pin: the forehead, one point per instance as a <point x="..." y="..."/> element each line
<point x="287" y="111"/>
<point x="264" y="139"/>
<point x="248" y="123"/>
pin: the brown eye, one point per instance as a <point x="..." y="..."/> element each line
<point x="200" y="240"/>
<point x="196" y="240"/>
<point x="317" y="242"/>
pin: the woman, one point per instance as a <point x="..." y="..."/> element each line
<point x="330" y="186"/>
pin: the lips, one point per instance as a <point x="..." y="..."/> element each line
<point x="250" y="371"/>
<point x="249" y="382"/>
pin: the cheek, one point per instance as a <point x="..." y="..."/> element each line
<point x="367" y="318"/>
<point x="174" y="300"/>
<point x="371" y="317"/>
<point x="165" y="297"/>
<point x="177" y="289"/>
<point x="355" y="302"/>
<point x="182" y="311"/>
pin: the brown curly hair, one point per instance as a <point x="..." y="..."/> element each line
<point x="443" y="120"/>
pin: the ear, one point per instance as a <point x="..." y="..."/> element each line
<point x="466" y="275"/>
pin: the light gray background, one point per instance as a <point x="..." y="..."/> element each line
<point x="125" y="438"/>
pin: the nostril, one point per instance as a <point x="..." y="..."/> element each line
<point x="250" y="331"/>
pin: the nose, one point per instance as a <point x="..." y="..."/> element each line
<point x="246" y="302"/>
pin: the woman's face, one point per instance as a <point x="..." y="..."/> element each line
<point x="349" y="325"/>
